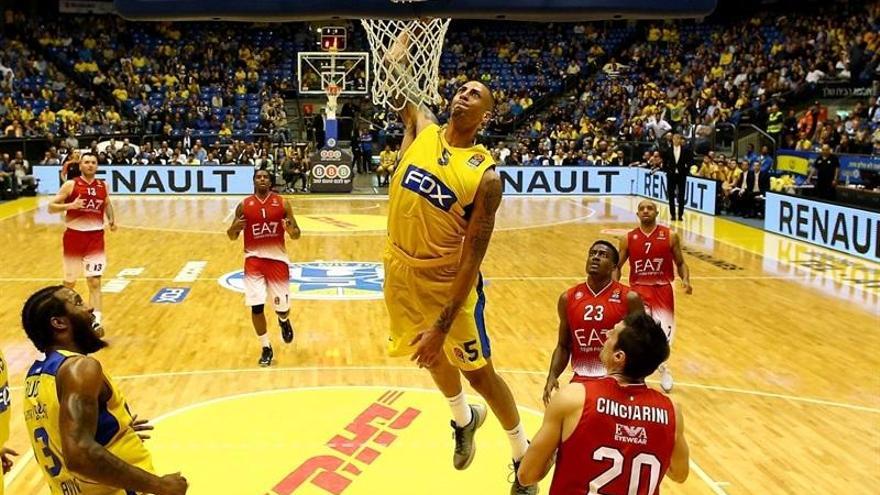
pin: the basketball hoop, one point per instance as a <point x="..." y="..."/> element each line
<point x="406" y="60"/>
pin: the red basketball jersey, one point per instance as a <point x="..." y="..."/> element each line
<point x="91" y="216"/>
<point x="621" y="445"/>
<point x="650" y="257"/>
<point x="590" y="317"/>
<point x="264" y="227"/>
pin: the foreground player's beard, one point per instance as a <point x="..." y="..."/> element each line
<point x="84" y="337"/>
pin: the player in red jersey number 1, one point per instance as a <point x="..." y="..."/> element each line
<point x="265" y="217"/>
<point x="85" y="201"/>
<point x="652" y="250"/>
<point x="613" y="434"/>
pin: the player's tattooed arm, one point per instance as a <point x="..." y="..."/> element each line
<point x="237" y="223"/>
<point x="290" y="225"/>
<point x="81" y="387"/>
<point x="476" y="242"/>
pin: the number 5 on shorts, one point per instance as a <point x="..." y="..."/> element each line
<point x="470" y="347"/>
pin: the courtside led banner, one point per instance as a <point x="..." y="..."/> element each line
<point x="849" y="230"/>
<point x="160" y="179"/>
<point x="699" y="194"/>
<point x="538" y="181"/>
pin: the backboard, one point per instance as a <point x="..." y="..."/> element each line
<point x="348" y="70"/>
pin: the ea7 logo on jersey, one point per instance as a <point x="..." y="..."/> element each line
<point x="630" y="434"/>
<point x="428" y="186"/>
<point x="93" y="204"/>
<point x="264" y="229"/>
<point x="649" y="265"/>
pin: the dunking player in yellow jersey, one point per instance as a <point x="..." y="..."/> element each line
<point x="443" y="199"/>
<point x="84" y="437"/>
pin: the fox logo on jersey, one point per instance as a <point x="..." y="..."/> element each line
<point x="430" y="187"/>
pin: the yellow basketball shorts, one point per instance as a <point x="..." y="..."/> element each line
<point x="416" y="296"/>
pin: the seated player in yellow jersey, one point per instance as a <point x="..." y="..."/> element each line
<point x="442" y="203"/>
<point x="5" y="404"/>
<point x="387" y="159"/>
<point x="83" y="436"/>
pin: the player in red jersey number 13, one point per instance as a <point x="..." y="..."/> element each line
<point x="613" y="434"/>
<point x="265" y="217"/>
<point x="85" y="201"/>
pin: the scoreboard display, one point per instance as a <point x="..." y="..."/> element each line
<point x="333" y="38"/>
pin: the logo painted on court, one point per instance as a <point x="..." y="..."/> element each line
<point x="325" y="280"/>
<point x="329" y="441"/>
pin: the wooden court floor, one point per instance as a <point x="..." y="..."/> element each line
<point x="776" y="357"/>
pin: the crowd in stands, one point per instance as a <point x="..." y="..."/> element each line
<point x="690" y="78"/>
<point x="209" y="90"/>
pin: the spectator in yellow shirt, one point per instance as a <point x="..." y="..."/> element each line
<point x="387" y="161"/>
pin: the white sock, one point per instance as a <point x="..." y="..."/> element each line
<point x="518" y="442"/>
<point x="97" y="316"/>
<point x="264" y="340"/>
<point x="461" y="411"/>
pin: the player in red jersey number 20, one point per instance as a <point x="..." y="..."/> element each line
<point x="613" y="434"/>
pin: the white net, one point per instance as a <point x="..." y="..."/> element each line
<point x="406" y="60"/>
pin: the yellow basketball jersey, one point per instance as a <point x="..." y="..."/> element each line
<point x="42" y="413"/>
<point x="431" y="196"/>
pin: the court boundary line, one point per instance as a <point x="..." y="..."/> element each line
<point x="26" y="458"/>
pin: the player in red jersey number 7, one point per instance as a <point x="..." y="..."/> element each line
<point x="265" y="217"/>
<point x="613" y="434"/>
<point x="85" y="200"/>
<point x="651" y="250"/>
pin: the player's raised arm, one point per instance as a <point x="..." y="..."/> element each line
<point x="59" y="203"/>
<point x="562" y="352"/>
<point x="237" y="223"/>
<point x="683" y="270"/>
<point x="80" y="387"/>
<point x="414" y="118"/>
<point x="290" y="225"/>
<point x="623" y="248"/>
<point x="679" y="464"/>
